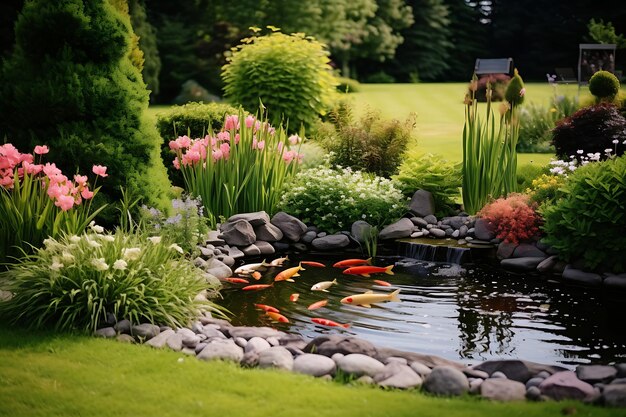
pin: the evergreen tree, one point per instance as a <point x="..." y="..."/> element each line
<point x="148" y="45"/>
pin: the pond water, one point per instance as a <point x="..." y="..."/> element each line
<point x="469" y="314"/>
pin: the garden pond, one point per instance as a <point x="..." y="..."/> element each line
<point x="469" y="314"/>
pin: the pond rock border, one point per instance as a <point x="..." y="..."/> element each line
<point x="330" y="356"/>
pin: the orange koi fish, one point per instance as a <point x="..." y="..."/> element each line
<point x="317" y="305"/>
<point x="256" y="287"/>
<point x="383" y="283"/>
<point x="287" y="274"/>
<point x="267" y="308"/>
<point x="237" y="280"/>
<point x="256" y="275"/>
<point x="311" y="263"/>
<point x="352" y="262"/>
<point x="365" y="271"/>
<point x="325" y="322"/>
<point x="294" y="297"/>
<point x="277" y="317"/>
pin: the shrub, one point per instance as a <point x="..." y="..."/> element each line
<point x="313" y="155"/>
<point x="498" y="83"/>
<point x="37" y="201"/>
<point x="348" y="85"/>
<point x="588" y="222"/>
<point x="527" y="173"/>
<point x="515" y="91"/>
<point x="604" y="86"/>
<point x="372" y="144"/>
<point x="513" y="217"/>
<point x="591" y="129"/>
<point x="537" y="122"/>
<point x="289" y="74"/>
<point x="333" y="199"/>
<point x="432" y="173"/>
<point x="380" y="77"/>
<point x="75" y="282"/>
<point x="545" y="189"/>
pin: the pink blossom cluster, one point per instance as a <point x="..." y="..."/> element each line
<point x="193" y="151"/>
<point x="64" y="192"/>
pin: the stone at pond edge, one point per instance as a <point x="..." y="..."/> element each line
<point x="122" y="326"/>
<point x="526" y="250"/>
<point x="315" y="365"/>
<point x="106" y="332"/>
<point x="445" y="380"/>
<point x="397" y="375"/>
<point x="331" y="242"/>
<point x="614" y="395"/>
<point x="268" y="232"/>
<point x="589" y="278"/>
<point x="331" y="344"/>
<point x="224" y="349"/>
<point x="358" y="364"/>
<point x="400" y="229"/>
<point x="238" y="233"/>
<point x="255" y="219"/>
<point x="616" y="281"/>
<point x="484" y="230"/>
<point x="265" y="247"/>
<point x="521" y="264"/>
<point x="276" y="357"/>
<point x="250" y="332"/>
<point x="291" y="227"/>
<point x="145" y="331"/>
<point x="422" y="203"/>
<point x="159" y="341"/>
<point x="565" y="385"/>
<point x="361" y="230"/>
<point x="517" y="370"/>
<point x="596" y="373"/>
<point x="251" y="250"/>
<point x="503" y="390"/>
<point x="218" y="269"/>
<point x="256" y="344"/>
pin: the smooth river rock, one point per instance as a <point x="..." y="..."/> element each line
<point x="145" y="331"/>
<point x="224" y="349"/>
<point x="331" y="242"/>
<point x="315" y="365"/>
<point x="276" y="357"/>
<point x="502" y="389"/>
<point x="331" y="344"/>
<point x="238" y="233"/>
<point x="257" y="218"/>
<point x="398" y="375"/>
<point x="358" y="364"/>
<point x="256" y="344"/>
<point x="565" y="385"/>
<point x="291" y="227"/>
<point x="159" y="341"/>
<point x="596" y="373"/>
<point x="250" y="332"/>
<point x="400" y="229"/>
<point x="447" y="381"/>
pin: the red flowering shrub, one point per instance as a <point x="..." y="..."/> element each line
<point x="513" y="217"/>
<point x="498" y="82"/>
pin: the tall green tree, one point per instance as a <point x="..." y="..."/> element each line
<point x="148" y="45"/>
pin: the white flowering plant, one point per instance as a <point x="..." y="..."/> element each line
<point x="332" y="199"/>
<point x="78" y="282"/>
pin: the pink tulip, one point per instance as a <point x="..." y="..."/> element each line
<point x="223" y="136"/>
<point x="80" y="179"/>
<point x="41" y="150"/>
<point x="26" y="157"/>
<point x="176" y="163"/>
<point x="217" y="155"/>
<point x="86" y="193"/>
<point x="65" y="202"/>
<point x="231" y="122"/>
<point x="55" y="190"/>
<point x="6" y="182"/>
<point x="294" y="139"/>
<point x="250" y="121"/>
<point x="174" y="145"/>
<point x="51" y="169"/>
<point x="100" y="170"/>
<point x="183" y="141"/>
<point x="32" y="169"/>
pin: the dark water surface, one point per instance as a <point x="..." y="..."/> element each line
<point x="468" y="314"/>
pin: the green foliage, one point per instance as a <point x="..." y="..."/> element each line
<point x="70" y="84"/>
<point x="588" y="222"/>
<point x="515" y="91"/>
<point x="605" y="33"/>
<point x="333" y="199"/>
<point x="527" y="173"/>
<point x="148" y="45"/>
<point x="348" y="85"/>
<point x="380" y="77"/>
<point x="546" y="189"/>
<point x="604" y="86"/>
<point x="74" y="282"/>
<point x="289" y="74"/>
<point x="432" y="173"/>
<point x="314" y="154"/>
<point x="372" y="144"/>
<point x="536" y="123"/>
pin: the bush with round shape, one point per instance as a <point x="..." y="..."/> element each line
<point x="515" y="91"/>
<point x="529" y="172"/>
<point x="289" y="74"/>
<point x="498" y="82"/>
<point x="588" y="222"/>
<point x="513" y="218"/>
<point x="590" y="129"/>
<point x="604" y="86"/>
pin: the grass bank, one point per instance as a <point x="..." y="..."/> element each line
<point x="46" y="374"/>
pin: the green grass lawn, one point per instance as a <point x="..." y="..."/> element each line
<point x="43" y="374"/>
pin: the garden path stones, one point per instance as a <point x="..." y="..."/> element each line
<point x="145" y="331"/>
<point x="521" y="264"/>
<point x="447" y="381"/>
<point x="256" y="344"/>
<point x="565" y="385"/>
<point x="588" y="278"/>
<point x="400" y="229"/>
<point x="361" y="230"/>
<point x="276" y="357"/>
<point x="502" y="389"/>
<point x="398" y="375"/>
<point x="358" y="364"/>
<point x="268" y="232"/>
<point x="257" y="218"/>
<point x="106" y="332"/>
<point x="331" y="242"/>
<point x="224" y="349"/>
<point x="331" y="344"/>
<point x="615" y="395"/>
<point x="315" y="365"/>
<point x="484" y="230"/>
<point x="422" y="203"/>
<point x="159" y="341"/>
<point x="250" y="332"/>
<point x="238" y="233"/>
<point x="596" y="373"/>
<point x="291" y="227"/>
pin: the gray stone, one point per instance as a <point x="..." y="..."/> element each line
<point x="361" y="230"/>
<point x="250" y="359"/>
<point x="186" y="332"/>
<point x="315" y="365"/>
<point x="430" y="219"/>
<point x="458" y="221"/>
<point x="265" y="247"/>
<point x="234" y="252"/>
<point x="422" y="203"/>
<point x="211" y="332"/>
<point x="188" y="351"/>
<point x="335" y="357"/>
<point x="543" y="374"/>
<point x="321" y="234"/>
<point x="429" y="360"/>
<point x="438" y="233"/>
<point x="217" y="251"/>
<point x="122" y="326"/>
<point x="400" y="229"/>
<point x="418" y="221"/>
<point x="218" y="269"/>
<point x="146" y="331"/>
<point x="365" y="380"/>
<point x="106" y="332"/>
<point x="621" y="370"/>
<point x="125" y="338"/>
<point x="229" y="261"/>
<point x="331" y="242"/>
<point x="394" y="359"/>
<point x="619" y="381"/>
<point x="616" y="281"/>
<point x="224" y="349"/>
<point x="273" y="341"/>
<point x="268" y="232"/>
<point x="484" y="230"/>
<point x="614" y="395"/>
<point x="291" y="227"/>
<point x="526" y="250"/>
<point x="516" y="370"/>
<point x="475" y="384"/>
<point x="292" y="340"/>
<point x="200" y="263"/>
<point x="331" y="344"/>
<point x="596" y="373"/>
<point x="576" y="275"/>
<point x="251" y="250"/>
<point x="521" y="264"/>
<point x="175" y="342"/>
<point x="565" y="385"/>
<point x="257" y="218"/>
<point x="534" y="382"/>
<point x="463" y="231"/>
<point x="256" y="344"/>
<point x="276" y="357"/>
<point x="206" y="252"/>
<point x="398" y="375"/>
<point x="358" y="364"/>
<point x="199" y="347"/>
<point x="159" y="341"/>
<point x="298" y="246"/>
<point x="240" y="341"/>
<point x="214" y="322"/>
<point x="250" y="332"/>
<point x="533" y="394"/>
<point x="498" y="375"/>
<point x="548" y="264"/>
<point x="475" y="373"/>
<point x="308" y="236"/>
<point x="445" y="380"/>
<point x="190" y="341"/>
<point x="454" y="234"/>
<point x="238" y="233"/>
<point x="503" y="390"/>
<point x="505" y="250"/>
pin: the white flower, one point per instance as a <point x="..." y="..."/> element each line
<point x="615" y="141"/>
<point x="95" y="227"/>
<point x="155" y="239"/>
<point x="120" y="264"/>
<point x="67" y="257"/>
<point x="92" y="243"/>
<point x="580" y="152"/>
<point x="107" y="238"/>
<point x="49" y="242"/>
<point x="176" y="248"/>
<point x="56" y="264"/>
<point x="131" y="254"/>
<point x="74" y="239"/>
<point x="608" y="150"/>
<point x="99" y="264"/>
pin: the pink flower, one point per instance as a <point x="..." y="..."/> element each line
<point x="176" y="163"/>
<point x="237" y="138"/>
<point x="86" y="193"/>
<point x="26" y="157"/>
<point x="289" y="155"/>
<point x="183" y="141"/>
<point x="250" y="121"/>
<point x="9" y="156"/>
<point x="57" y="178"/>
<point x="280" y="146"/>
<point x="65" y="202"/>
<point x="191" y="157"/>
<point x="32" y="169"/>
<point x="100" y="170"/>
<point x="231" y="122"/>
<point x="174" y="145"/>
<point x="217" y="155"/>
<point x="80" y="179"/>
<point x="294" y="139"/>
<point x="51" y="169"/>
<point x="223" y="136"/>
<point x="55" y="191"/>
<point x="6" y="182"/>
<point x="258" y="145"/>
<point x="40" y="150"/>
<point x="225" y="148"/>
<point x="522" y="92"/>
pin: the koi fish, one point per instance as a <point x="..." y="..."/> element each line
<point x="250" y="268"/>
<point x="279" y="261"/>
<point x="256" y="275"/>
<point x="311" y="263"/>
<point x="256" y="287"/>
<point x="365" y="271"/>
<point x="365" y="300"/>
<point x="322" y="286"/>
<point x="352" y="262"/>
<point x="383" y="283"/>
<point x="277" y="317"/>
<point x="237" y="280"/>
<point x="287" y="274"/>
<point x="267" y="308"/>
<point x="325" y="322"/>
<point x="294" y="297"/>
<point x="317" y="305"/>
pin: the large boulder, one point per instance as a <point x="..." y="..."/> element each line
<point x="447" y="381"/>
<point x="312" y="364"/>
<point x="276" y="357"/>
<point x="223" y="349"/>
<point x="291" y="227"/>
<point x="565" y="385"/>
<point x="238" y="233"/>
<point x="268" y="232"/>
<point x="361" y="230"/>
<point x="400" y="229"/>
<point x="255" y="219"/>
<point x="331" y="242"/>
<point x="422" y="203"/>
<point x="596" y="373"/>
<point x="502" y="389"/>
<point x="358" y="364"/>
<point x="484" y="230"/>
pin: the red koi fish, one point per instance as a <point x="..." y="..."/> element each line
<point x="256" y="287"/>
<point x="317" y="305"/>
<point x="256" y="275"/>
<point x="277" y="317"/>
<point x="237" y="280"/>
<point x="325" y="322"/>
<point x="365" y="271"/>
<point x="352" y="262"/>
<point x="311" y="263"/>
<point x="383" y="283"/>
<point x="294" y="297"/>
<point x="267" y="308"/>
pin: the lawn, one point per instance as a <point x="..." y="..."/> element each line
<point x="46" y="374"/>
